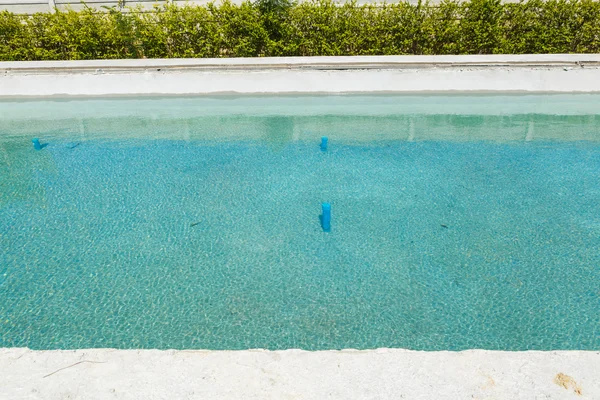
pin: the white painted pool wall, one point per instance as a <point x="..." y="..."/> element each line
<point x="554" y="73"/>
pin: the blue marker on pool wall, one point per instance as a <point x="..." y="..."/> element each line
<point x="36" y="144"/>
<point x="324" y="141"/>
<point x="326" y="217"/>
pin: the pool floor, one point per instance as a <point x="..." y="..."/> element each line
<point x="435" y="245"/>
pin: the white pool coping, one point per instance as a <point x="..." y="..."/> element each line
<point x="294" y="374"/>
<point x="353" y="62"/>
<point x="554" y="73"/>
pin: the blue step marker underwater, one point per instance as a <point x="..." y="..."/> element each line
<point x="324" y="141"/>
<point x="326" y="217"/>
<point x="36" y="144"/>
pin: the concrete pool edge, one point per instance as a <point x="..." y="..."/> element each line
<point x="550" y="73"/>
<point x="262" y="374"/>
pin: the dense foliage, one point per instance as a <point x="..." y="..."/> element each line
<point x="282" y="28"/>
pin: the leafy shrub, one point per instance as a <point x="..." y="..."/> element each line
<point x="322" y="27"/>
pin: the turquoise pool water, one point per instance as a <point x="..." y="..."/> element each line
<point x="458" y="222"/>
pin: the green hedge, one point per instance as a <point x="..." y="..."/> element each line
<point x="271" y="28"/>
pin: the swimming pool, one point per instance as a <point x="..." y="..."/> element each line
<point x="457" y="222"/>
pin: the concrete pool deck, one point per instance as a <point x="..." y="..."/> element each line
<point x="296" y="374"/>
<point x="546" y="73"/>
